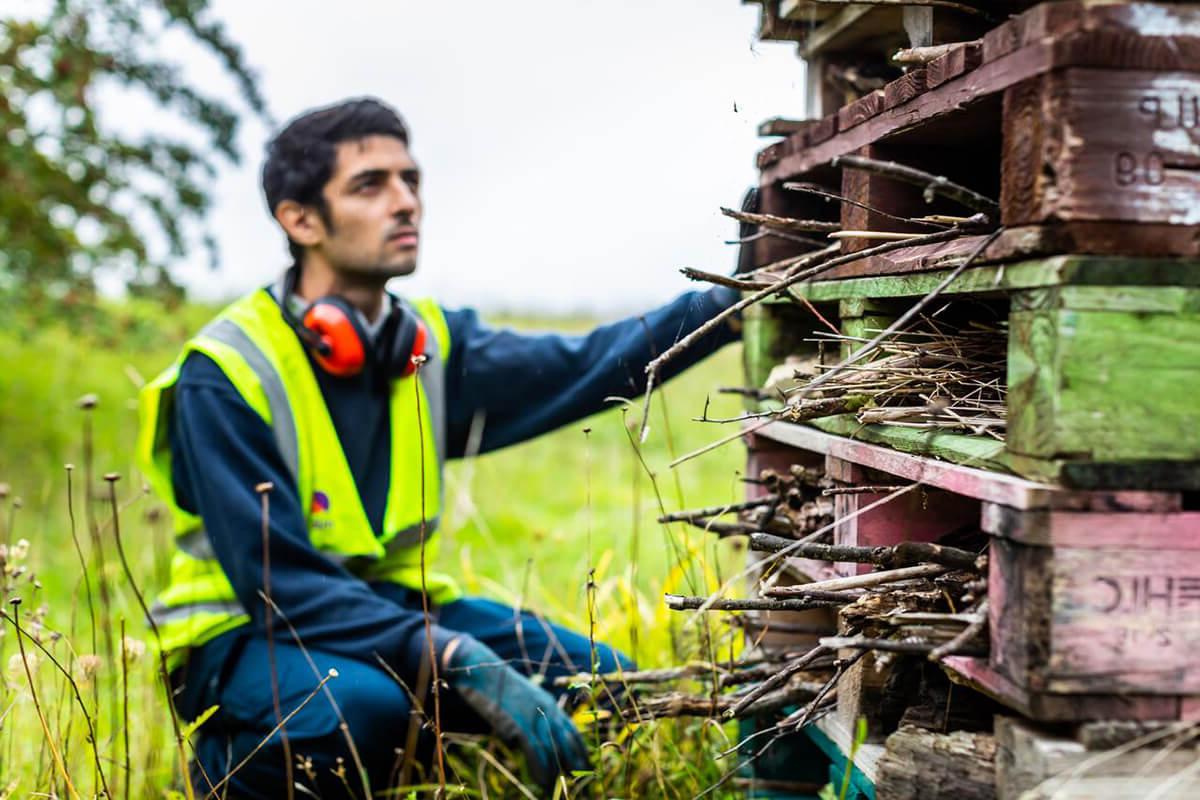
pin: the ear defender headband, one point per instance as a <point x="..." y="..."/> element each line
<point x="332" y="330"/>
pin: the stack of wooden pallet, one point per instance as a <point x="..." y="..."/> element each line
<point x="1082" y="119"/>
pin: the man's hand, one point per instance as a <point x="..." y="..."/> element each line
<point x="522" y="714"/>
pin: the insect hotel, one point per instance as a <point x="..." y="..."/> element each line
<point x="971" y="283"/>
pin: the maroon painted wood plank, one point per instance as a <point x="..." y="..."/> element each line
<point x="824" y="130"/>
<point x="977" y="483"/>
<point x="771" y="154"/>
<point x="861" y="110"/>
<point x="1136" y="25"/>
<point x="958" y="61"/>
<point x="779" y="126"/>
<point x="1087" y="49"/>
<point x="1091" y="144"/>
<point x="904" y="88"/>
<point x="1043" y="707"/>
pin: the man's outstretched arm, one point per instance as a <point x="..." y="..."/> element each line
<point x="525" y="385"/>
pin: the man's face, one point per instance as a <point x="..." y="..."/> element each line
<point x="374" y="209"/>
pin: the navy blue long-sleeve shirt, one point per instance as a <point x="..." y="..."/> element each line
<point x="523" y="385"/>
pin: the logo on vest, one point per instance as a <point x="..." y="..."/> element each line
<point x="320" y="505"/>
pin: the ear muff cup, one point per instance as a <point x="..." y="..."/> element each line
<point x="403" y="339"/>
<point x="341" y="346"/>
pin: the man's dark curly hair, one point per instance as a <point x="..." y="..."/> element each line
<point x="301" y="157"/>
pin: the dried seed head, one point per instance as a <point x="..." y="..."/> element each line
<point x="264" y="487"/>
<point x="17" y="668"/>
<point x="19" y="550"/>
<point x="132" y="649"/>
<point x="89" y="665"/>
<point x="88" y="402"/>
<point x="112" y="477"/>
<point x="5" y="489"/>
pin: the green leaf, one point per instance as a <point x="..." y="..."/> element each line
<point x="195" y="724"/>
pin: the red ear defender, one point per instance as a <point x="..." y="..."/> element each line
<point x="340" y="349"/>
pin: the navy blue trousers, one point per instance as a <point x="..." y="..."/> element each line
<point x="375" y="706"/>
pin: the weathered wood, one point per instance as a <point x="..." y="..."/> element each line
<point x="1119" y="614"/>
<point x="779" y="126"/>
<point x="1108" y="385"/>
<point x="958" y="61"/>
<point x="904" y="88"/>
<point x="919" y="516"/>
<point x="1096" y="144"/>
<point x="861" y="110"/>
<point x="921" y="765"/>
<point x="976" y="674"/>
<point x="1139" y="30"/>
<point x="1032" y="759"/>
<point x="823" y="129"/>
<point x="980" y="484"/>
<point x="1173" y="46"/>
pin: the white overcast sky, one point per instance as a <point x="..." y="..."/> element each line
<point x="575" y="152"/>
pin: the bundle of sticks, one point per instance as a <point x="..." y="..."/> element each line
<point x="930" y="377"/>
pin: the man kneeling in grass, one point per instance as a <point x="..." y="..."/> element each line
<point x="335" y="403"/>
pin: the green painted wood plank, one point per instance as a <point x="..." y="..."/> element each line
<point x="1104" y="385"/>
<point x="974" y="451"/>
<point x="1056" y="271"/>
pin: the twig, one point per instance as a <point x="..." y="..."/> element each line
<point x="783" y="223"/>
<point x="920" y="56"/>
<point x="264" y="493"/>
<point x="844" y="490"/>
<point x="714" y="511"/>
<point x="677" y="602"/>
<point x="866" y="581"/>
<point x="810" y="189"/>
<point x="418" y="362"/>
<point x="779" y="679"/>
<point x="683" y="344"/>
<point x="903" y="646"/>
<point x="956" y="645"/>
<point x="686" y="705"/>
<point x="891" y="557"/>
<point x="722" y="280"/>
<point x="933" y="184"/>
<point x="791" y="237"/>
<point x="905" y="319"/>
<point x="37" y="706"/>
<point x="333" y="673"/>
<point x="163" y="673"/>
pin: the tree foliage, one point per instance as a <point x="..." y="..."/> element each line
<point x="80" y="195"/>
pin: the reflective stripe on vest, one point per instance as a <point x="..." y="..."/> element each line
<point x="265" y="362"/>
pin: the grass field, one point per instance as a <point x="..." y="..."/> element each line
<point x="526" y="525"/>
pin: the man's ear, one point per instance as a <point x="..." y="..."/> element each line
<point x="302" y="223"/>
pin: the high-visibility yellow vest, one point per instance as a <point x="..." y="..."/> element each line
<point x="264" y="360"/>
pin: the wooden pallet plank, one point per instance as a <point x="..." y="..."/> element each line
<point x="779" y="126"/>
<point x="1045" y="272"/>
<point x="1104" y="384"/>
<point x="1091" y="48"/>
<point x="1098" y="144"/>
<point x="1097" y="620"/>
<point x="861" y="110"/>
<point x="918" y="764"/>
<point x="958" y="61"/>
<point x="976" y="674"/>
<point x="980" y="484"/>
<point x="904" y="88"/>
